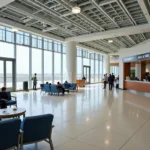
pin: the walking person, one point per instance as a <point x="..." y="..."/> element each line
<point x="105" y="80"/>
<point x="110" y="80"/>
<point x="34" y="81"/>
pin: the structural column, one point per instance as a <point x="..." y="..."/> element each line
<point x="138" y="70"/>
<point x="71" y="54"/>
<point x="107" y="64"/>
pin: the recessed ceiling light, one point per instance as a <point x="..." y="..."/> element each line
<point x="14" y="29"/>
<point x="76" y="10"/>
<point x="110" y="41"/>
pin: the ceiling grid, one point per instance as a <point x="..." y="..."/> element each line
<point x="56" y="17"/>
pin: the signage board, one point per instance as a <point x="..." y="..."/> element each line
<point x="137" y="57"/>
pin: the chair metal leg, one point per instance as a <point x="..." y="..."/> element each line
<point x="51" y="144"/>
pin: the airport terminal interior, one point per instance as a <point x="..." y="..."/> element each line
<point x="75" y="74"/>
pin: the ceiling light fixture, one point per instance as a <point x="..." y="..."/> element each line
<point x="14" y="29"/>
<point x="110" y="41"/>
<point x="76" y="10"/>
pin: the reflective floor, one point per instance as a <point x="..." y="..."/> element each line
<point x="93" y="119"/>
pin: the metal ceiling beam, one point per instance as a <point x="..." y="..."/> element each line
<point x="85" y="3"/>
<point x="49" y="29"/>
<point x="91" y="49"/>
<point x="106" y="2"/>
<point x="23" y="10"/>
<point x="121" y="4"/>
<point x="101" y="47"/>
<point x="69" y="6"/>
<point x="5" y="2"/>
<point x="144" y="9"/>
<point x="112" y="33"/>
<point x="56" y="14"/>
<point x="100" y="9"/>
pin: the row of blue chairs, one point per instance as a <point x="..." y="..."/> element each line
<point x="53" y="89"/>
<point x="15" y="134"/>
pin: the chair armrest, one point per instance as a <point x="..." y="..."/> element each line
<point x="14" y="97"/>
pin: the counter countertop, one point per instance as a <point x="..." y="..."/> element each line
<point x="144" y="82"/>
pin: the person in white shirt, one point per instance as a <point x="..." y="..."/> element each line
<point x="105" y="80"/>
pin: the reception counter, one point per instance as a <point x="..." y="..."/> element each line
<point x="137" y="85"/>
<point x="81" y="83"/>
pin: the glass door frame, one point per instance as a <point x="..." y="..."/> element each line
<point x="13" y="89"/>
<point x="89" y="67"/>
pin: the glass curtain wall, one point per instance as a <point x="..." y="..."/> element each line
<point x="114" y="70"/>
<point x="22" y="65"/>
<point x="94" y="60"/>
<point x="96" y="68"/>
<point x="79" y="63"/>
<point x="45" y="57"/>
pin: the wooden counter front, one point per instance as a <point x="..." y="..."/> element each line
<point x="81" y="83"/>
<point x="138" y="86"/>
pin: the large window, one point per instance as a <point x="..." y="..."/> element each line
<point x="57" y="67"/>
<point x="114" y="70"/>
<point x="6" y="50"/>
<point x="92" y="72"/>
<point x="22" y="66"/>
<point x="48" y="75"/>
<point x="96" y="71"/>
<point x="64" y="68"/>
<point x="86" y="61"/>
<point x="29" y="49"/>
<point x="79" y="68"/>
<point x="37" y="64"/>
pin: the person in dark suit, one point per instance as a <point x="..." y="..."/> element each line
<point x="3" y="98"/>
<point x="110" y="80"/>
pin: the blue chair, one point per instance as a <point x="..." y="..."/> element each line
<point x="9" y="134"/>
<point x="47" y="88"/>
<point x="37" y="128"/>
<point x="42" y="87"/>
<point x="70" y="86"/>
<point x="12" y="100"/>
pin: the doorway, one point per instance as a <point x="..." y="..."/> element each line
<point x="87" y="73"/>
<point x="8" y="73"/>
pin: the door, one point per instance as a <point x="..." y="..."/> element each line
<point x="7" y="74"/>
<point x="87" y="73"/>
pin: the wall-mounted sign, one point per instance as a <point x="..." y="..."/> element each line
<point x="130" y="59"/>
<point x="137" y="57"/>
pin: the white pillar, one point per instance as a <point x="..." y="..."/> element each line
<point x="138" y="70"/>
<point x="71" y="54"/>
<point x="107" y="64"/>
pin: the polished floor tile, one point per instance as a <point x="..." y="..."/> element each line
<point x="76" y="145"/>
<point x="92" y="118"/>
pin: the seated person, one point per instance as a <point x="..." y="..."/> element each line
<point x="83" y="78"/>
<point x="3" y="98"/>
<point x="47" y="83"/>
<point x="61" y="88"/>
<point x="66" y="82"/>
